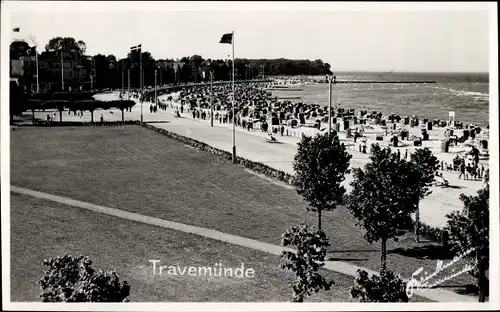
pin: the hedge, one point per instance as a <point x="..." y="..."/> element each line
<point x="44" y="123"/>
<point x="433" y="233"/>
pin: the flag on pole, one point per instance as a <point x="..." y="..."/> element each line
<point x="136" y="48"/>
<point x="16" y="29"/>
<point x="227" y="38"/>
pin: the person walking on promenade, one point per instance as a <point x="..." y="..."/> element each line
<point x="102" y="118"/>
<point x="282" y="130"/>
<point x="462" y="170"/>
<point x="194" y="115"/>
<point x="486" y="176"/>
<point x="468" y="170"/>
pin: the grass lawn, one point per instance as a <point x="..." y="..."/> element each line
<point x="43" y="229"/>
<point x="138" y="170"/>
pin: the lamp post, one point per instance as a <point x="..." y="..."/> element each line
<point x="161" y="76"/>
<point x="37" y="81"/>
<point x="92" y="73"/>
<point x="36" y="62"/>
<point x="138" y="48"/>
<point x="128" y="85"/>
<point x="211" y="98"/>
<point x="123" y="80"/>
<point x="332" y="79"/>
<point x="156" y="75"/>
<point x="62" y="70"/>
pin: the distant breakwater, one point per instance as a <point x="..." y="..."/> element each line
<point x="284" y="89"/>
<point x="383" y="82"/>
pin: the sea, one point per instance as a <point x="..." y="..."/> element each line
<point x="465" y="94"/>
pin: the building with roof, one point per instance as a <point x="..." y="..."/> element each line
<point x="52" y="69"/>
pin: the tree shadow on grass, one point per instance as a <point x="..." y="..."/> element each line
<point x="346" y="259"/>
<point x="354" y="251"/>
<point x="433" y="252"/>
<point x="277" y="142"/>
<point x="457" y="187"/>
<point x="157" y="121"/>
<point x="468" y="289"/>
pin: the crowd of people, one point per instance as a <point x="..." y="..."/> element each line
<point x="257" y="108"/>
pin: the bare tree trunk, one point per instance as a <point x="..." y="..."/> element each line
<point x="60" y="116"/>
<point x="123" y="115"/>
<point x="319" y="219"/>
<point x="92" y="116"/>
<point x="417" y="224"/>
<point x="383" y="257"/>
<point x="482" y="283"/>
<point x="33" y="116"/>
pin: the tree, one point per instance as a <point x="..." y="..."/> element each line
<point x="306" y="261"/>
<point x="123" y="105"/>
<point x="427" y="164"/>
<point x="383" y="197"/>
<point x="17" y="100"/>
<point x="388" y="287"/>
<point x="71" y="279"/>
<point x="66" y="44"/>
<point x="320" y="165"/>
<point x="469" y="235"/>
<point x="196" y="59"/>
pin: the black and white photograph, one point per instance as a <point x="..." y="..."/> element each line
<point x="271" y="156"/>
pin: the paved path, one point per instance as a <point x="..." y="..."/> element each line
<point x="437" y="294"/>
<point x="252" y="145"/>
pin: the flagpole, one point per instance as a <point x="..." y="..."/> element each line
<point x="140" y="80"/>
<point x="37" y="81"/>
<point x="92" y="73"/>
<point x="211" y="98"/>
<point x="62" y="70"/>
<point x="156" y="75"/>
<point x="123" y="80"/>
<point x="234" y="117"/>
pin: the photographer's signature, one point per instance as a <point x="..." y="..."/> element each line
<point x="423" y="283"/>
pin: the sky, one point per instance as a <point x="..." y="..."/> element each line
<point x="363" y="38"/>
